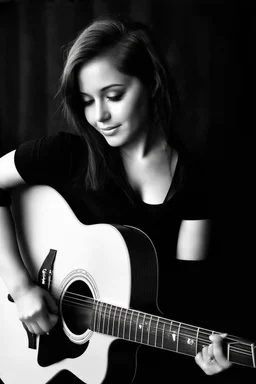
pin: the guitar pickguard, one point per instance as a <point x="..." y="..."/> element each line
<point x="57" y="347"/>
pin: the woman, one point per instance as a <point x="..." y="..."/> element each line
<point x="123" y="165"/>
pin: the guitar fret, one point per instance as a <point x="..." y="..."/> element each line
<point x="104" y="317"/>
<point x="100" y="316"/>
<point x="178" y="336"/>
<point x="157" y="322"/>
<point x="95" y="315"/>
<point x="162" y="333"/>
<point x="162" y="346"/>
<point x="109" y="317"/>
<point x="241" y="353"/>
<point x="197" y="336"/>
<point x="253" y="355"/>
<point x="188" y="339"/>
<point x="113" y="325"/>
<point x="202" y="339"/>
<point x="125" y="317"/>
<point x="136" y="327"/>
<point x="142" y="329"/>
<point x="130" y="327"/>
<point x="168" y="339"/>
<point x="149" y="330"/>
<point x="118" y="323"/>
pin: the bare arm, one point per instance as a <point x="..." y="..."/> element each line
<point x="33" y="303"/>
<point x="193" y="245"/>
<point x="193" y="240"/>
<point x="12" y="268"/>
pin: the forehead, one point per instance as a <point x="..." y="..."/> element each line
<point x="100" y="73"/>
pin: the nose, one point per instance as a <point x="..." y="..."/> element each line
<point x="102" y="112"/>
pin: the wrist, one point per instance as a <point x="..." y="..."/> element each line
<point x="21" y="284"/>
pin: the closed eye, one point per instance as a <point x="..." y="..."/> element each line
<point x="87" y="102"/>
<point x="115" y="97"/>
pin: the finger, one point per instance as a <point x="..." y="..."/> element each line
<point x="218" y="351"/>
<point x="45" y="319"/>
<point x="210" y="367"/>
<point x="53" y="319"/>
<point x="199" y="359"/>
<point x="202" y="362"/>
<point x="46" y="322"/>
<point x="35" y="328"/>
<point x="51" y="304"/>
<point x="205" y="354"/>
<point x="210" y="352"/>
<point x="28" y="327"/>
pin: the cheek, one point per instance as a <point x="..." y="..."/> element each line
<point x="127" y="111"/>
<point x="137" y="107"/>
<point x="138" y="112"/>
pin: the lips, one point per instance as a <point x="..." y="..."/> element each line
<point x="109" y="128"/>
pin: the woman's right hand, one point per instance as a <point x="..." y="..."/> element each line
<point x="37" y="309"/>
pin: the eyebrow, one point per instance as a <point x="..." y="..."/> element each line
<point x="106" y="88"/>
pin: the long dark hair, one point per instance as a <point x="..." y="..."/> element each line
<point x="135" y="54"/>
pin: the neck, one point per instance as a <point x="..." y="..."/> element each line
<point x="145" y="146"/>
<point x="163" y="333"/>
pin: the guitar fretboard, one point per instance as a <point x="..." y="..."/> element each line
<point x="151" y="330"/>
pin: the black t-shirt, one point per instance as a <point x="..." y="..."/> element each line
<point x="56" y="161"/>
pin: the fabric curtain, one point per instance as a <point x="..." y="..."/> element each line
<point x="210" y="49"/>
<point x="208" y="45"/>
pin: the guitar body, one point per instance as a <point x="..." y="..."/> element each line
<point x="103" y="262"/>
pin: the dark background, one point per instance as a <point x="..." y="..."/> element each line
<point x="211" y="49"/>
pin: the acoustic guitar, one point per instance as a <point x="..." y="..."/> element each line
<point x="104" y="279"/>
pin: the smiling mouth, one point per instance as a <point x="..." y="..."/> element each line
<point x="110" y="128"/>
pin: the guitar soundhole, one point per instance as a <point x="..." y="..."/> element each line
<point x="77" y="307"/>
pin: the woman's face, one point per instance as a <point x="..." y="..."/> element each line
<point x="115" y="104"/>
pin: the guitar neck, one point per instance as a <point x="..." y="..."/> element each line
<point x="166" y="334"/>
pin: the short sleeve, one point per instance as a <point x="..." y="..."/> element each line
<point x="49" y="159"/>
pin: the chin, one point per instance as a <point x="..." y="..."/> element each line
<point x="115" y="142"/>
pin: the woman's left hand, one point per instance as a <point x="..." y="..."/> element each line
<point x="212" y="358"/>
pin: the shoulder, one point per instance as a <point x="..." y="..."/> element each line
<point x="49" y="156"/>
<point x="59" y="142"/>
<point x="55" y="145"/>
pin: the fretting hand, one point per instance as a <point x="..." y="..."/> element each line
<point x="212" y="358"/>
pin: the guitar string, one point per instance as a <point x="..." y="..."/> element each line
<point x="89" y="302"/>
<point x="155" y="330"/>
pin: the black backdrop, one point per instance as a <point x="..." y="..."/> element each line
<point x="211" y="48"/>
